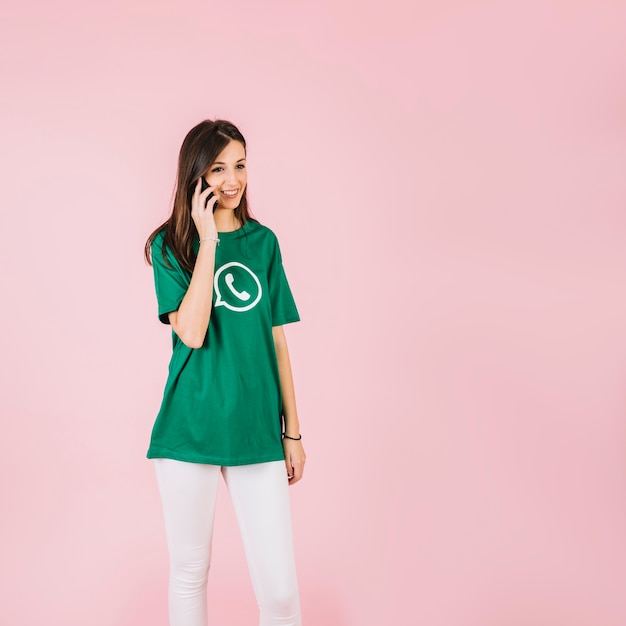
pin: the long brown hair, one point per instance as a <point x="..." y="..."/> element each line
<point x="200" y="148"/>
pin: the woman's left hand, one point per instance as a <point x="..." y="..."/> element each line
<point x="294" y="459"/>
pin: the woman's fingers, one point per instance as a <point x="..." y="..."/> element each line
<point x="201" y="213"/>
<point x="294" y="460"/>
<point x="195" y="200"/>
<point x="298" y="470"/>
<point x="205" y="194"/>
<point x="199" y="198"/>
<point x="212" y="201"/>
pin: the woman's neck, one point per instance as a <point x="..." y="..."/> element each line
<point x="225" y="220"/>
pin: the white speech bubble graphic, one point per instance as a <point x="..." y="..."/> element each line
<point x="243" y="295"/>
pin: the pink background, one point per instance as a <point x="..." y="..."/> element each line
<point x="446" y="178"/>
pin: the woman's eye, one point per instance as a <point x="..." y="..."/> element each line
<point x="239" y="166"/>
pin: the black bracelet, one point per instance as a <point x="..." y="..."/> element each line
<point x="292" y="438"/>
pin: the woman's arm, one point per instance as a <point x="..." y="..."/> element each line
<point x="294" y="452"/>
<point x="191" y="321"/>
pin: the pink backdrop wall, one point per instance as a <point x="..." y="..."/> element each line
<point x="447" y="182"/>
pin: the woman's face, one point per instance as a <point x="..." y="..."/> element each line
<point x="228" y="175"/>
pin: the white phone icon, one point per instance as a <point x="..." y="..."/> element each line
<point x="242" y="295"/>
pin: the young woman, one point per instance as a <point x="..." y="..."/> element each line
<point x="229" y="404"/>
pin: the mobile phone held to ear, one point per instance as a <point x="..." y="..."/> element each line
<point x="205" y="185"/>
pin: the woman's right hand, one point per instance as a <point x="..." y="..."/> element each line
<point x="191" y="320"/>
<point x="201" y="215"/>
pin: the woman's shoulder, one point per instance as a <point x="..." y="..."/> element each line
<point x="162" y="254"/>
<point x="261" y="230"/>
<point x="157" y="247"/>
<point x="157" y="241"/>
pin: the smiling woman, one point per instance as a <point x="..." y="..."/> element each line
<point x="229" y="403"/>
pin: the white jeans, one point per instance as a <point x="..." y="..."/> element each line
<point x="260" y="496"/>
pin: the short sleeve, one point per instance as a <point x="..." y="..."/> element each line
<point x="171" y="282"/>
<point x="283" y="305"/>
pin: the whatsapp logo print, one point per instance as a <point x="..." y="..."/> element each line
<point x="236" y="287"/>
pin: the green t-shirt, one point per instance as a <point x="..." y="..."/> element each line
<point x="222" y="402"/>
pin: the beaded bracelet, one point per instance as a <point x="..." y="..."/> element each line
<point x="292" y="438"/>
<point x="211" y="239"/>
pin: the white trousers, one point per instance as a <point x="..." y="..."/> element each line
<point x="260" y="497"/>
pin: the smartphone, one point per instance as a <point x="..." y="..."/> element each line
<point x="205" y="185"/>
